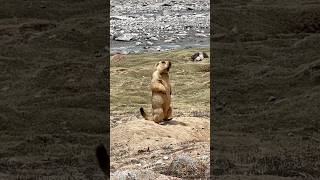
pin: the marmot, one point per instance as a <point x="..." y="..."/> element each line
<point x="161" y="93"/>
<point x="199" y="56"/>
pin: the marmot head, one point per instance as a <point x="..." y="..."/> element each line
<point x="163" y="66"/>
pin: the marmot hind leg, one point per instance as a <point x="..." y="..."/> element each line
<point x="158" y="115"/>
<point x="168" y="117"/>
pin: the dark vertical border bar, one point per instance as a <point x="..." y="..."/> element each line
<point x="270" y="125"/>
<point x="212" y="110"/>
<point x="108" y="82"/>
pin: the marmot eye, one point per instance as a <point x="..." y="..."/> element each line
<point x="162" y="62"/>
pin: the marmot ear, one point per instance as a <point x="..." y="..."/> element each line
<point x="155" y="66"/>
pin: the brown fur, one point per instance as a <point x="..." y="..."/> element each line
<point x="161" y="93"/>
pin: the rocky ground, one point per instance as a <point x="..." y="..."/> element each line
<point x="159" y="25"/>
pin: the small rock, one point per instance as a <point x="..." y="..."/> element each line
<point x="159" y="162"/>
<point x="166" y="4"/>
<point x="135" y="161"/>
<point x="169" y="40"/>
<point x="138" y="43"/>
<point x="148" y="35"/>
<point x="182" y="34"/>
<point x="118" y="17"/>
<point x="149" y="43"/>
<point x="200" y="35"/>
<point x="124" y="52"/>
<point x="133" y="16"/>
<point x="154" y="39"/>
<point x="165" y="157"/>
<point x="126" y="37"/>
<point x="149" y="15"/>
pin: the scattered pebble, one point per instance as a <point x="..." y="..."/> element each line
<point x="159" y="162"/>
<point x="149" y="43"/>
<point x="154" y="39"/>
<point x="169" y="20"/>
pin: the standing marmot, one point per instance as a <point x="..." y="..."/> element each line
<point x="161" y="94"/>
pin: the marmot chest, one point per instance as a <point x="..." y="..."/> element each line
<point x="166" y="84"/>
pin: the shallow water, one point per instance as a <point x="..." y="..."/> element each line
<point x="133" y="49"/>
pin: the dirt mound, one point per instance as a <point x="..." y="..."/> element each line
<point x="140" y="174"/>
<point x="141" y="133"/>
<point x="141" y="144"/>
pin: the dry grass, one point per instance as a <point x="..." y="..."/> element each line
<point x="184" y="166"/>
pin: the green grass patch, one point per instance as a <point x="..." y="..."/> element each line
<point x="130" y="80"/>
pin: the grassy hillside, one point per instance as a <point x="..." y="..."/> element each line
<point x="131" y="76"/>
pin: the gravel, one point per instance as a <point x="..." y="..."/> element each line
<point x="163" y="23"/>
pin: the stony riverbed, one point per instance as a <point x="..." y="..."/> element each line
<point x="158" y="25"/>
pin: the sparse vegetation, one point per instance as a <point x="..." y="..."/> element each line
<point x="190" y="82"/>
<point x="184" y="166"/>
